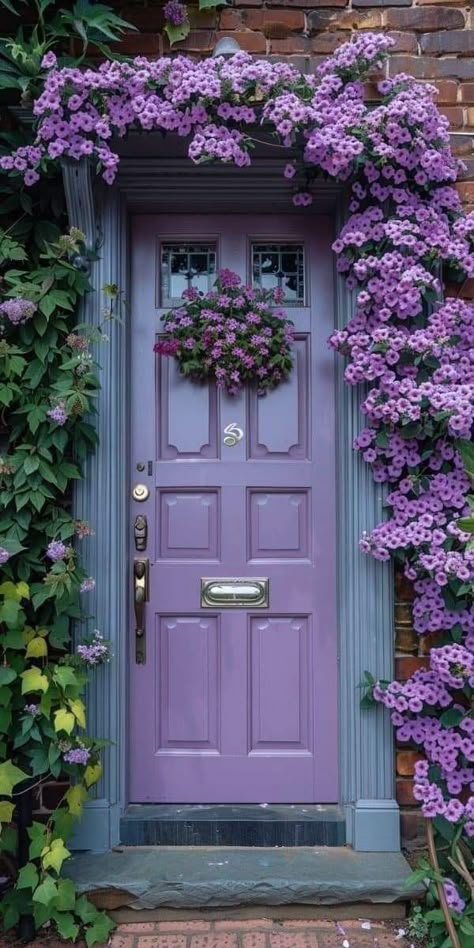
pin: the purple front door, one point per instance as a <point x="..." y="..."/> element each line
<point x="235" y="705"/>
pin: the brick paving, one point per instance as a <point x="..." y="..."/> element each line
<point x="258" y="933"/>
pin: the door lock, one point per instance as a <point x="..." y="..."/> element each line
<point x="140" y="533"/>
<point x="140" y="492"/>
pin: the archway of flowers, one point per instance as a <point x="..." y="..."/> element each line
<point x="406" y="238"/>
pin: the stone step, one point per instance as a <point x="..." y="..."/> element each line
<point x="233" y="825"/>
<point x="216" y="877"/>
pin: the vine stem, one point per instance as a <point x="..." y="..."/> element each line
<point x="455" y="943"/>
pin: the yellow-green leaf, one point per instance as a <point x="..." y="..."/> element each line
<point x="23" y="590"/>
<point x="6" y="811"/>
<point x="75" y="797"/>
<point x="78" y="709"/>
<point x="64" y="720"/>
<point x="33" y="680"/>
<point x="37" y="648"/>
<point x="10" y="776"/>
<point x="53" y="856"/>
<point x="92" y="773"/>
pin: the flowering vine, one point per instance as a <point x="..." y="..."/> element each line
<point x="234" y="335"/>
<point x="405" y="243"/>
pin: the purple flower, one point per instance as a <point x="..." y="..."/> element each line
<point x="175" y="12"/>
<point x="58" y="414"/>
<point x="94" y="652"/>
<point x="77" y="755"/>
<point x="4" y="556"/>
<point x="56" y="550"/>
<point x="32" y="709"/>
<point x="48" y="61"/>
<point x="87" y="585"/>
<point x="18" y="310"/>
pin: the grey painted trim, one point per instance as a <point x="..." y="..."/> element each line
<point x="365" y="586"/>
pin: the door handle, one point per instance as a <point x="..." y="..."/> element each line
<point x="140" y="597"/>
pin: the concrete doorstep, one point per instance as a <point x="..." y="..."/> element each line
<point x="217" y="877"/>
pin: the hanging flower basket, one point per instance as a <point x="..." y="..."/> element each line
<point x="234" y="335"/>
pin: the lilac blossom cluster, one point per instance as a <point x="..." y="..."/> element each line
<point x="94" y="652"/>
<point x="175" y="12"/>
<point x="77" y="755"/>
<point x="17" y="310"/>
<point x="234" y="334"/>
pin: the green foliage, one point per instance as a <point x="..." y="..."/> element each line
<point x="44" y="363"/>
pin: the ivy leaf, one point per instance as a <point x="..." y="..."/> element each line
<point x="64" y="721"/>
<point x="55" y="855"/>
<point x="99" y="932"/>
<point x="7" y="675"/>
<point x="33" y="680"/>
<point x="85" y="910"/>
<point x="211" y="4"/>
<point x="6" y="811"/>
<point x="28" y="877"/>
<point x="66" y="898"/>
<point x="64" y="675"/>
<point x="10" y="776"/>
<point x="37" y="833"/>
<point x="46" y="891"/>
<point x="79" y="711"/>
<point x="176" y="34"/>
<point x="66" y="925"/>
<point x="75" y="797"/>
<point x="37" y="648"/>
<point x="92" y="774"/>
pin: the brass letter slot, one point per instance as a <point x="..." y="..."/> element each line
<point x="227" y="593"/>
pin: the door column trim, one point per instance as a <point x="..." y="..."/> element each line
<point x="365" y="595"/>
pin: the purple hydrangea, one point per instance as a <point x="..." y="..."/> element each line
<point x="77" y="755"/>
<point x="175" y="12"/>
<point x="58" y="414"/>
<point x="18" y="311"/>
<point x="56" y="550"/>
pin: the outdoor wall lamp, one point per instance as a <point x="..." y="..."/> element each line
<point x="226" y="46"/>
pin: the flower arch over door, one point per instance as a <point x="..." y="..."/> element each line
<point x="406" y="235"/>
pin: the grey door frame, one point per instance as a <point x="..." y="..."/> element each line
<point x="157" y="177"/>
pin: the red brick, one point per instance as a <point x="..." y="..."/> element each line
<point x="121" y="941"/>
<point x="470" y="116"/>
<point x="467" y="92"/>
<point x="304" y="4"/>
<point x="403" y="587"/>
<point x="405" y="792"/>
<point x="426" y="20"/>
<point x="254" y="940"/>
<point x="447" y="92"/>
<point x="250" y="42"/>
<point x="428" y="67"/>
<point x="305" y="939"/>
<point x="406" y="666"/>
<point x="292" y="20"/>
<point x="406" y="760"/>
<point x="326" y="43"/>
<point x="139" y="927"/>
<point x="448" y="41"/>
<point x="454" y="114"/>
<point x="161" y="941"/>
<point x="202" y="19"/>
<point x="466" y="191"/>
<point x="290" y="45"/>
<point x="320" y="20"/>
<point x="231" y="20"/>
<point x="214" y="940"/>
<point x="140" y="44"/>
<point x="412" y="825"/>
<point x="146" y="19"/>
<point x="244" y="925"/>
<point x="197" y="925"/>
<point x="404" y="42"/>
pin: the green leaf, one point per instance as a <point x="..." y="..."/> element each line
<point x="54" y="858"/>
<point x="466" y="523"/>
<point x="33" y="680"/>
<point x="10" y="777"/>
<point x="28" y="877"/>
<point x="85" y="910"/>
<point x="176" y="34"/>
<point x="37" y="648"/>
<point x="211" y="4"/>
<point x="7" y="675"/>
<point x="452" y="717"/>
<point x="66" y="898"/>
<point x="6" y="811"/>
<point x="46" y="891"/>
<point x="66" y="925"/>
<point x="98" y="933"/>
<point x="64" y="676"/>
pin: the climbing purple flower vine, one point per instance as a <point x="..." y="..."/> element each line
<point x="406" y="242"/>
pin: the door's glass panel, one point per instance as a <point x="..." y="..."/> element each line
<point x="280" y="265"/>
<point x="183" y="265"/>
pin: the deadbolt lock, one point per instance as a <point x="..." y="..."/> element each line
<point x="140" y="492"/>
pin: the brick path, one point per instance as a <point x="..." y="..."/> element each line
<point x="259" y="933"/>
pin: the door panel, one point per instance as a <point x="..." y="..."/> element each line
<point x="235" y="705"/>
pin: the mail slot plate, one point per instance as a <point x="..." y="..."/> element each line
<point x="227" y="592"/>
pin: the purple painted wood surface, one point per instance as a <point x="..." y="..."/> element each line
<point x="235" y="705"/>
